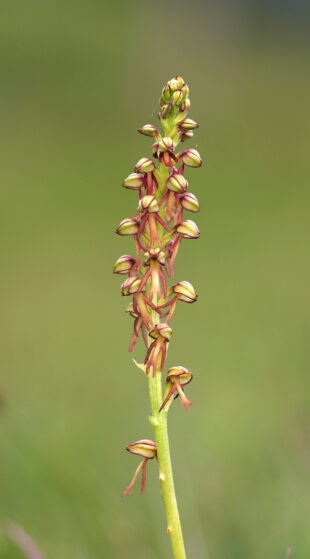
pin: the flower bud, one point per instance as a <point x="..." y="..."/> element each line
<point x="185" y="91"/>
<point x="188" y="229"/>
<point x="148" y="130"/>
<point x="177" y="183"/>
<point x="174" y="84"/>
<point x="133" y="181"/>
<point x="186" y="135"/>
<point x="191" y="158"/>
<point x="163" y="330"/>
<point x="189" y="202"/>
<point x="129" y="226"/>
<point x="131" y="311"/>
<point x="166" y="93"/>
<point x="144" y="448"/>
<point x="130" y="285"/>
<point x="185" y="106"/>
<point x="166" y="144"/>
<point x="180" y="80"/>
<point x="185" y="292"/>
<point x="148" y="204"/>
<point x="179" y="375"/>
<point x="188" y="124"/>
<point x="155" y="150"/>
<point x="165" y="111"/>
<point x="177" y="97"/>
<point x="124" y="264"/>
<point x="145" y="165"/>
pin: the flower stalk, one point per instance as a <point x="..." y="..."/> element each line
<point x="157" y="230"/>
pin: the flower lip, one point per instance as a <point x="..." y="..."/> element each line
<point x="162" y="330"/>
<point x="179" y="375"/>
<point x="145" y="448"/>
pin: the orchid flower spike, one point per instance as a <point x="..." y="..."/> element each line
<point x="159" y="225"/>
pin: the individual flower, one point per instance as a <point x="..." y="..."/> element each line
<point x="134" y="181"/>
<point x="182" y="291"/>
<point x="188" y="124"/>
<point x="149" y="208"/>
<point x="147" y="167"/>
<point x="125" y="264"/>
<point x="190" y="157"/>
<point x="147" y="449"/>
<point x="166" y="147"/>
<point x="176" y="185"/>
<point x="189" y="202"/>
<point x="129" y="226"/>
<point x="155" y="259"/>
<point x="177" y="377"/>
<point x="137" y="327"/>
<point x="149" y="130"/>
<point x="186" y="229"/>
<point x="161" y="334"/>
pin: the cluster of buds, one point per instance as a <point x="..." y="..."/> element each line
<point x="157" y="229"/>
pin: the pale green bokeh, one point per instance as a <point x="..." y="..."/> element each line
<point x="78" y="79"/>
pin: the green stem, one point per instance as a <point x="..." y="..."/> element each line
<point x="159" y="423"/>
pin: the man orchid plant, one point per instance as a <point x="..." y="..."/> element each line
<point x="157" y="230"/>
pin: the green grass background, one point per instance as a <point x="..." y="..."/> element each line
<point x="77" y="80"/>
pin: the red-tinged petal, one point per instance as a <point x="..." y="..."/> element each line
<point x="169" y="395"/>
<point x="186" y="403"/>
<point x="128" y="489"/>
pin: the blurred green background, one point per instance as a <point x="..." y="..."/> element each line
<point x="77" y="79"/>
